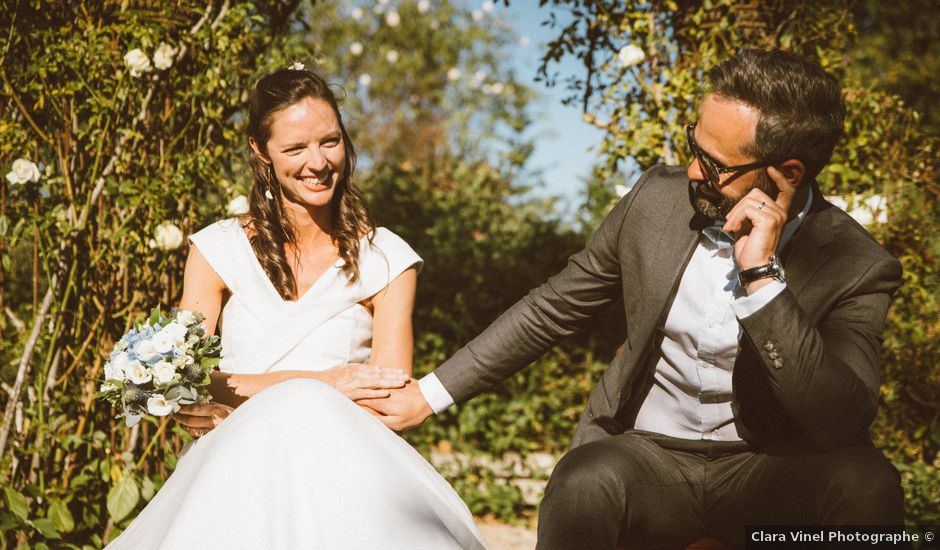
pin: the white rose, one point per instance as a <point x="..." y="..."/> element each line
<point x="630" y="55"/>
<point x="166" y="237"/>
<point x="163" y="342"/>
<point x="22" y="171"/>
<point x="392" y="19"/>
<point x="139" y="374"/>
<point x="137" y="61"/>
<point x="144" y="350"/>
<point x="356" y="13"/>
<point x="163" y="57"/>
<point x="111" y="373"/>
<point x="159" y="406"/>
<point x="237" y="206"/>
<point x="453" y="73"/>
<point x="118" y="366"/>
<point x="355" y="48"/>
<point x="392" y="56"/>
<point x="177" y="331"/>
<point x="185" y="317"/>
<point x="424" y="6"/>
<point x="163" y="372"/>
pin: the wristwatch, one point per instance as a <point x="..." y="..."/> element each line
<point x="772" y="269"/>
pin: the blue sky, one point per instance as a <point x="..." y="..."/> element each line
<point x="565" y="148"/>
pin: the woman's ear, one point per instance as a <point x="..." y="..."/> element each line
<point x="260" y="154"/>
<point x="793" y="171"/>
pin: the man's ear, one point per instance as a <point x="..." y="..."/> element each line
<point x="254" y="147"/>
<point x="793" y="170"/>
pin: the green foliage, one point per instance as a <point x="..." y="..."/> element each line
<point x="888" y="152"/>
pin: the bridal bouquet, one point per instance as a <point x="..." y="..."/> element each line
<point x="159" y="365"/>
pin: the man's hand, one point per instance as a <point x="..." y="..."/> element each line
<point x="757" y="223"/>
<point x="403" y="408"/>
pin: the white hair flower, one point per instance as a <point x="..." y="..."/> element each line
<point x="296" y="66"/>
<point x="22" y="171"/>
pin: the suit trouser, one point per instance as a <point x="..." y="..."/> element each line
<point x="644" y="490"/>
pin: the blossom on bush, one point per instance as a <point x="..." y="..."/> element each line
<point x="365" y="80"/>
<point x="392" y="19"/>
<point x="237" y="206"/>
<point x="630" y="55"/>
<point x="137" y="61"/>
<point x="22" y="171"/>
<point x="356" y="13"/>
<point x="391" y="56"/>
<point x="355" y="48"/>
<point x="866" y="210"/>
<point x="163" y="57"/>
<point x="453" y="73"/>
<point x="167" y="236"/>
<point x="423" y="6"/>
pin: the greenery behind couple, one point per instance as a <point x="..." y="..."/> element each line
<point x="126" y="145"/>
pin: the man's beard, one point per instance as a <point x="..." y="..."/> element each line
<point x="716" y="208"/>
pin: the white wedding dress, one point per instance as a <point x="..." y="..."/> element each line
<point x="299" y="465"/>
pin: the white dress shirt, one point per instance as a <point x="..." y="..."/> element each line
<point x="691" y="394"/>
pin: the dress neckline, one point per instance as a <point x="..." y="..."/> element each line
<point x="332" y="269"/>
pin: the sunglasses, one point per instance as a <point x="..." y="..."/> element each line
<point x="714" y="169"/>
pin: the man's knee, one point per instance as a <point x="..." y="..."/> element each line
<point x="864" y="488"/>
<point x="591" y="473"/>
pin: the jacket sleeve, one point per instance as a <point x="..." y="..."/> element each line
<point x="565" y="304"/>
<point x="827" y="375"/>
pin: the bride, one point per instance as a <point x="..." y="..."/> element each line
<point x="315" y="309"/>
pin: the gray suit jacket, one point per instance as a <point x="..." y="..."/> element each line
<point x="808" y="364"/>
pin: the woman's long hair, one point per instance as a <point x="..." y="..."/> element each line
<point x="271" y="228"/>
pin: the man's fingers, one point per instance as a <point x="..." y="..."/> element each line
<point x="787" y="190"/>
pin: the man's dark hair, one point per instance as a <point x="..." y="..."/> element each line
<point x="800" y="104"/>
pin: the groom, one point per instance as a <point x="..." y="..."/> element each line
<point x="749" y="371"/>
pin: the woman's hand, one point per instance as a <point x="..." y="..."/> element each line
<point x="199" y="420"/>
<point x="359" y="381"/>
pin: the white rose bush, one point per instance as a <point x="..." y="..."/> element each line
<point x="23" y="171"/>
<point x="159" y="365"/>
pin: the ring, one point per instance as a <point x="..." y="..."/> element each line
<point x="760" y="206"/>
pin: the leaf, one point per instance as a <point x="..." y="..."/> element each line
<point x="147" y="489"/>
<point x="61" y="516"/>
<point x="209" y="362"/>
<point x="123" y="498"/>
<point x="17" y="503"/>
<point x="46" y="528"/>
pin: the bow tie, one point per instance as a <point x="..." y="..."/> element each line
<point x="716" y="235"/>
